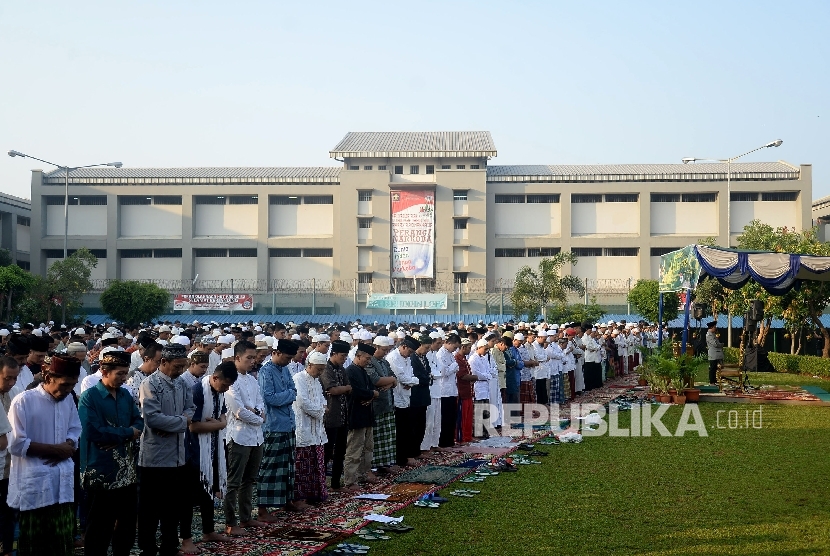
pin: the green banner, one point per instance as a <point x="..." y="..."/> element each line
<point x="407" y="301"/>
<point x="679" y="270"/>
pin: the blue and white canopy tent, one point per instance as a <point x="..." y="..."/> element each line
<point x="777" y="273"/>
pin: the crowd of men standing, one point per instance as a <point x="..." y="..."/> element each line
<point x="112" y="434"/>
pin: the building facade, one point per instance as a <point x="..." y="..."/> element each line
<point x="15" y="228"/>
<point x="319" y="238"/>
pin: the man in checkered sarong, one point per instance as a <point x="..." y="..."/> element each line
<point x="380" y="373"/>
<point x="276" y="472"/>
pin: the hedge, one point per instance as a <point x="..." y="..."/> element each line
<point x="785" y="363"/>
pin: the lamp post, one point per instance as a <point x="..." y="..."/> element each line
<point x="728" y="161"/>
<point x="66" y="171"/>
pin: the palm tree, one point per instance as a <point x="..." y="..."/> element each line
<point x="535" y="290"/>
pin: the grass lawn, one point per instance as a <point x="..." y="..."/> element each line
<point x="735" y="491"/>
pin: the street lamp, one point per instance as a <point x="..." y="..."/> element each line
<point x="728" y="161"/>
<point x="66" y="171"/>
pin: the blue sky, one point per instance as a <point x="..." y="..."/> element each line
<point x="279" y="83"/>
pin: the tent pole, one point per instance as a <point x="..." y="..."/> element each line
<point x="729" y="328"/>
<point x="659" y="321"/>
<point x="686" y="322"/>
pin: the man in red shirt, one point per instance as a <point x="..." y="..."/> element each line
<point x="465" y="380"/>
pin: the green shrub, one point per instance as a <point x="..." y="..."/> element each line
<point x="785" y="363"/>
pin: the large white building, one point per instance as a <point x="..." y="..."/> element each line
<point x="303" y="237"/>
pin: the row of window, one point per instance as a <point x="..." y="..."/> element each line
<point x="458" y="195"/>
<point x="24" y="220"/>
<point x="328" y="253"/>
<point x="521" y="199"/>
<point x="684" y="197"/>
<point x="578" y="251"/>
<point x="529" y="252"/>
<point x="416" y="168"/>
<point x="208" y="253"/>
<point x="133" y="200"/>
<point x="583" y="198"/>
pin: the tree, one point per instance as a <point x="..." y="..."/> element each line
<point x="133" y="302"/>
<point x="535" y="290"/>
<point x="67" y="280"/>
<point x="5" y="257"/>
<point x="576" y="312"/>
<point x="645" y="298"/>
<point x="14" y="281"/>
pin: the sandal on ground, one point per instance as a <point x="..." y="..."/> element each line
<point x="537" y="453"/>
<point x="426" y="504"/>
<point x="351" y="546"/>
<point x="394" y="527"/>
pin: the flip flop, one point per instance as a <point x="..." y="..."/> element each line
<point x="372" y="537"/>
<point x="350" y="546"/>
<point x="394" y="527"/>
<point x="472" y="480"/>
<point x="462" y="494"/>
<point x="347" y="551"/>
<point x="425" y="504"/>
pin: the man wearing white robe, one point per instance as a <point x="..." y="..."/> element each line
<point x="44" y="436"/>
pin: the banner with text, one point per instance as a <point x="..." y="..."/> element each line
<point x="213" y="302"/>
<point x="679" y="270"/>
<point x="407" y="301"/>
<point x="413" y="233"/>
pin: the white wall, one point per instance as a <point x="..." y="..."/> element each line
<point x="655" y="268"/>
<point x="364" y="258"/>
<point x="225" y="268"/>
<point x="460" y="257"/>
<point x="98" y="273"/>
<point x="526" y="220"/>
<point x="699" y="219"/>
<point x="301" y="220"/>
<point x="507" y="267"/>
<point x="151" y="269"/>
<point x="605" y="218"/>
<point x="224" y="220"/>
<point x="150" y="220"/>
<point x="24" y="238"/>
<point x="301" y="268"/>
<point x="84" y="220"/>
<point x="607" y="267"/>
<point x="774" y="213"/>
<point x="459" y="208"/>
<point x="363" y="207"/>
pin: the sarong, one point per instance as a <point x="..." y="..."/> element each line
<point x="276" y="472"/>
<point x="47" y="530"/>
<point x="384" y="438"/>
<point x="310" y="483"/>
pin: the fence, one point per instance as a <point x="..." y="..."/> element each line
<point x="316" y="296"/>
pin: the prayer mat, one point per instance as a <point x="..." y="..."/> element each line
<point x="406" y="492"/>
<point x="298" y="534"/>
<point x="434" y="474"/>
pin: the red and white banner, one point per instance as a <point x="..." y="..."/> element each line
<point x="413" y="233"/>
<point x="213" y="302"/>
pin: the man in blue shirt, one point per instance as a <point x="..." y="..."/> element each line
<point x="276" y="472"/>
<point x="110" y="425"/>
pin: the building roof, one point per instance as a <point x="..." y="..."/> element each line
<point x="188" y="176"/>
<point x="643" y="172"/>
<point x="16" y="202"/>
<point x="384" y="144"/>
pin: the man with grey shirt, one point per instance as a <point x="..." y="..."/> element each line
<point x="167" y="408"/>
<point x="715" y="350"/>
